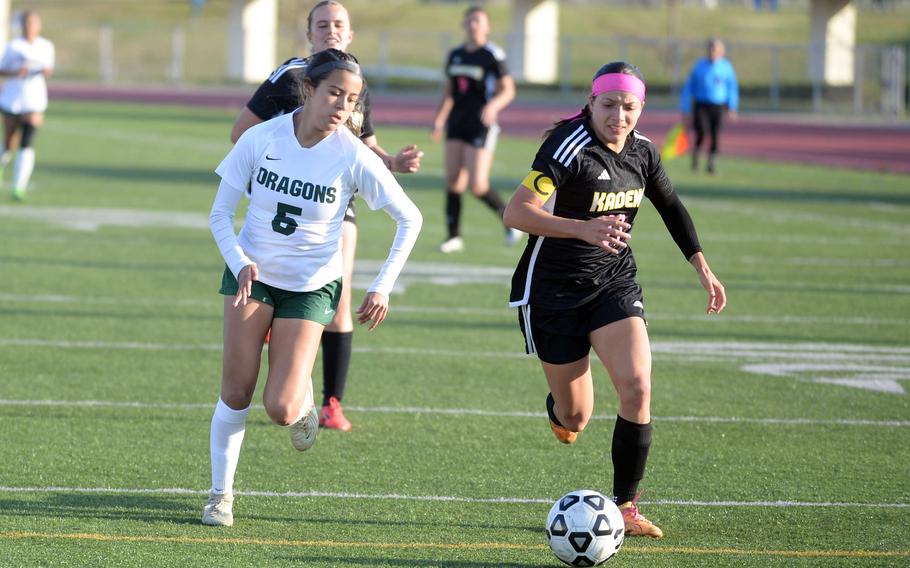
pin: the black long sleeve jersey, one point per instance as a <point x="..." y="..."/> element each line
<point x="279" y="94"/>
<point x="580" y="178"/>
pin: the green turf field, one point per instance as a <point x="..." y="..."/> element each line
<point x="782" y="427"/>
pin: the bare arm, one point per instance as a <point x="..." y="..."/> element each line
<point x="245" y="120"/>
<point x="717" y="295"/>
<point x="505" y="94"/>
<point x="442" y="111"/>
<point x="406" y="161"/>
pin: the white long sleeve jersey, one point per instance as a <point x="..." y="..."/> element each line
<point x="298" y="196"/>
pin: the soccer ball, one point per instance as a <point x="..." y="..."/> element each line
<point x="584" y="528"/>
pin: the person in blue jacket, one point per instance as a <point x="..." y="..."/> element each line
<point x="710" y="92"/>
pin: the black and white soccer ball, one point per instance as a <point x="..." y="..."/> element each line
<point x="584" y="528"/>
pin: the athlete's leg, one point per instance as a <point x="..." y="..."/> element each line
<point x="699" y="123"/>
<point x="244" y="328"/>
<point x="288" y="393"/>
<point x="715" y="116"/>
<point x="10" y="137"/>
<point x="624" y="349"/>
<point x="25" y="158"/>
<point x="337" y="340"/>
<point x="572" y="389"/>
<point x="456" y="183"/>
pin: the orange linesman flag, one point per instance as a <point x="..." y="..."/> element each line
<point x="676" y="144"/>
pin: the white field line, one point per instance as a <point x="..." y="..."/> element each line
<point x="134" y="405"/>
<point x="448" y="498"/>
<point x="801" y="218"/>
<point x="685" y="349"/>
<point x="506" y="313"/>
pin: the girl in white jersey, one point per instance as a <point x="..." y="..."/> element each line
<point x="25" y="64"/>
<point x="328" y="27"/>
<point x="299" y="171"/>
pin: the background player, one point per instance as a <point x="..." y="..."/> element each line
<point x="328" y="26"/>
<point x="477" y="87"/>
<point x="285" y="267"/>
<point x="26" y="63"/>
<point x="710" y="92"/>
<point x="575" y="283"/>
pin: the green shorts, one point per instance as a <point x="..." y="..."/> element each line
<point x="317" y="305"/>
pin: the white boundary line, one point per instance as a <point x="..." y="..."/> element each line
<point x="462" y="412"/>
<point x="505" y="313"/>
<point x="448" y="498"/>
<point x="689" y="349"/>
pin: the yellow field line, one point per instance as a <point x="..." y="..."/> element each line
<point x="21" y="535"/>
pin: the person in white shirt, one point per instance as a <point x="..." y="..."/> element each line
<point x="284" y="269"/>
<point x="25" y="64"/>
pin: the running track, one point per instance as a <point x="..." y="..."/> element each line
<point x="795" y="139"/>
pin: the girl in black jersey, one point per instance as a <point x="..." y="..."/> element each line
<point x="477" y="87"/>
<point x="575" y="283"/>
<point x="328" y="26"/>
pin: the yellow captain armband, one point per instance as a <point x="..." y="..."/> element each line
<point x="540" y="184"/>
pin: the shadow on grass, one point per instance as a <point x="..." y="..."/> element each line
<point x="176" y="510"/>
<point x="305" y="560"/>
<point x="171" y="175"/>
<point x="116" y="113"/>
<point x="143" y="508"/>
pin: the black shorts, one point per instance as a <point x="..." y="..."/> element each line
<point x="349" y="214"/>
<point x="474" y="133"/>
<point x="561" y="336"/>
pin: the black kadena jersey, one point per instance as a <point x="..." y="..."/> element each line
<point x="472" y="79"/>
<point x="580" y="178"/>
<point x="279" y="94"/>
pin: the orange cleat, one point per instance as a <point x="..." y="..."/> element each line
<point x="333" y="416"/>
<point x="563" y="434"/>
<point x="636" y="524"/>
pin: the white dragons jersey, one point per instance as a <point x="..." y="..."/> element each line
<point x="29" y="93"/>
<point x="298" y="197"/>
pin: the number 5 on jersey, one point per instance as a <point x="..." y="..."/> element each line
<point x="284" y="224"/>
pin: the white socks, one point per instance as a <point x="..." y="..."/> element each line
<point x="308" y="403"/>
<point x="25" y="163"/>
<point x="228" y="427"/>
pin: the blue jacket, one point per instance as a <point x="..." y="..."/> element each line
<point x="710" y="83"/>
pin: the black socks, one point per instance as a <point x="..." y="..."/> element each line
<point x="631" y="443"/>
<point x="336" y="358"/>
<point x="453" y="214"/>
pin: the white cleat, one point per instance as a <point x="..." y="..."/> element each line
<point x="455" y="244"/>
<point x="303" y="432"/>
<point x="513" y="236"/>
<point x="219" y="511"/>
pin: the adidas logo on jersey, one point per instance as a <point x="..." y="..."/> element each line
<point x="604" y="175"/>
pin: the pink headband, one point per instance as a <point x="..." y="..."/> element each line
<point x="618" y="82"/>
<point x="614" y="82"/>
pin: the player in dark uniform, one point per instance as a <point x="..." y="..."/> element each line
<point x="477" y="87"/>
<point x="328" y="26"/>
<point x="575" y="283"/>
